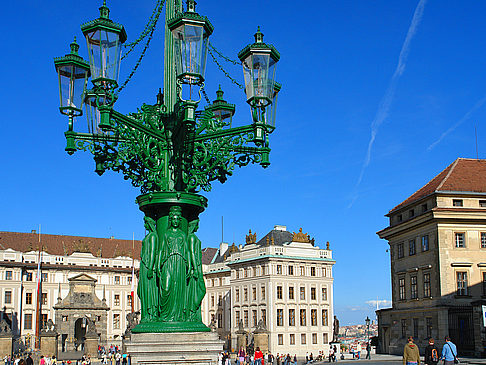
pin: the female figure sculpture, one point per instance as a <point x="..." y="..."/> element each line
<point x="147" y="287"/>
<point x="173" y="266"/>
<point x="196" y="287"/>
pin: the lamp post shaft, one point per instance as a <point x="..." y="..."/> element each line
<point x="170" y="95"/>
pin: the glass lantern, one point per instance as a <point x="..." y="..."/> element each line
<point x="259" y="62"/>
<point x="272" y="109"/>
<point x="73" y="74"/>
<point x="104" y="39"/>
<point x="191" y="33"/>
<point x="222" y="110"/>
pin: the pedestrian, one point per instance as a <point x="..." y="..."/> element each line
<point x="449" y="352"/>
<point x="368" y="351"/>
<point x="358" y="350"/>
<point x="258" y="356"/>
<point x="241" y="356"/>
<point x="29" y="360"/>
<point x="270" y="358"/>
<point x="431" y="353"/>
<point x="411" y="355"/>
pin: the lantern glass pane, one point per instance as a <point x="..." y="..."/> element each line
<point x="272" y="110"/>
<point x="72" y="84"/>
<point x="104" y="54"/>
<point x="93" y="115"/>
<point x="191" y="49"/>
<point x="259" y="73"/>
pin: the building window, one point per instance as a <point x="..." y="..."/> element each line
<point x="411" y="247"/>
<point x="413" y="287"/>
<point x="401" y="289"/>
<point x="428" y="327"/>
<point x="116" y="321"/>
<point x="425" y="243"/>
<point x="457" y="202"/>
<point x="28" y="276"/>
<point x="44" y="298"/>
<point x="27" y="321"/>
<point x="313" y="271"/>
<point x="117" y="280"/>
<point x="263" y="293"/>
<point x="212" y="300"/>
<point x="116" y="300"/>
<point x="324" y="338"/>
<point x="44" y="277"/>
<point x="302" y="271"/>
<point x="220" y="320"/>
<point x="404" y="327"/>
<point x="399" y="218"/>
<point x="313" y="317"/>
<point x="302" y="293"/>
<point x="325" y="317"/>
<point x="279" y="269"/>
<point x="303" y="319"/>
<point x="65" y="318"/>
<point x="291" y="270"/>
<point x="459" y="239"/>
<point x="291" y="317"/>
<point x="129" y="300"/>
<point x="245" y="294"/>
<point x="314" y="338"/>
<point x="484" y="283"/>
<point x="43" y="320"/>
<point x="461" y="282"/>
<point x="254" y="271"/>
<point x="292" y="339"/>
<point x="303" y="339"/>
<point x="415" y="328"/>
<point x="8" y="297"/>
<point x="255" y="318"/>
<point x="291" y="292"/>
<point x="424" y="208"/>
<point x="28" y="298"/>
<point x="427" y="293"/>
<point x="280" y="339"/>
<point x="237" y="318"/>
<point x="313" y="294"/>
<point x="411" y="213"/>
<point x="324" y="294"/>
<point x="8" y="275"/>
<point x="245" y="318"/>
<point x="483" y="239"/>
<point x="279" y="317"/>
<point x="237" y="294"/>
<point x="264" y="316"/>
<point x="279" y="292"/>
<point x="129" y="279"/>
<point x="253" y="290"/>
<point x="400" y="250"/>
<point x="237" y="274"/>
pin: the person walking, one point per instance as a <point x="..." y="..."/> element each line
<point x="431" y="353"/>
<point x="258" y="356"/>
<point x="449" y="352"/>
<point x="358" y="350"/>
<point x="368" y="351"/>
<point x="411" y="354"/>
<point x="241" y="356"/>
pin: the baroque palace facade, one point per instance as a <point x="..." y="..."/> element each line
<point x="437" y="241"/>
<point x="284" y="279"/>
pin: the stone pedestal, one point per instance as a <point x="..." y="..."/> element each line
<point x="261" y="341"/>
<point x="240" y="341"/>
<point x="195" y="348"/>
<point x="48" y="344"/>
<point x="338" y="349"/>
<point x="91" y="346"/>
<point x="5" y="344"/>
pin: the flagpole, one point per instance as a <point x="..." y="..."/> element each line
<point x="132" y="293"/>
<point x="38" y="303"/>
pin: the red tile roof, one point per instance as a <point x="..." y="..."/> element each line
<point x="208" y="255"/>
<point x="464" y="175"/>
<point x="65" y="245"/>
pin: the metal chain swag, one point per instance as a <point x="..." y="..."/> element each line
<point x="223" y="70"/>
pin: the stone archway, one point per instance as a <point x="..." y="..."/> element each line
<point x="79" y="333"/>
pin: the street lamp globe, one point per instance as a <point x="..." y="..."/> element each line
<point x="367" y="321"/>
<point x="259" y="62"/>
<point x="104" y="39"/>
<point x="221" y="109"/>
<point x="191" y="33"/>
<point x="73" y="74"/>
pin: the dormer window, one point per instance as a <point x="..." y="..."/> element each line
<point x="482" y="203"/>
<point x="411" y="213"/>
<point x="457" y="202"/>
<point x="424" y="208"/>
<point x="399" y="218"/>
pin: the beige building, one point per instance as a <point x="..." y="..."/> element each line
<point x="284" y="279"/>
<point x="437" y="241"/>
<point x="107" y="261"/>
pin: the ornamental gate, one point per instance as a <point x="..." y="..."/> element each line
<point x="461" y="329"/>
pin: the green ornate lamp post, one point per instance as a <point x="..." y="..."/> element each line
<point x="171" y="150"/>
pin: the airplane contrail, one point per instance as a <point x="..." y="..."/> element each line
<point x="462" y="120"/>
<point x="387" y="99"/>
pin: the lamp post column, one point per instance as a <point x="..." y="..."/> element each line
<point x="170" y="94"/>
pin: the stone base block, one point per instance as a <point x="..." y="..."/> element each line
<point x="261" y="341"/>
<point x="48" y="345"/>
<point x="5" y="345"/>
<point x="91" y="346"/>
<point x="178" y="348"/>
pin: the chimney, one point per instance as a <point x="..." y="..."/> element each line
<point x="223" y="247"/>
<point x="33" y="231"/>
<point x="280" y="228"/>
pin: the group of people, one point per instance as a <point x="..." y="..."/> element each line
<point x="411" y="353"/>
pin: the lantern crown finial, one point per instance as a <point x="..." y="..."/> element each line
<point x="219" y="93"/>
<point x="258" y="36"/>
<point x="191" y="6"/>
<point x="74" y="47"/>
<point x="104" y="11"/>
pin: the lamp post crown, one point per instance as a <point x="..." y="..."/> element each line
<point x="258" y="36"/>
<point x="104" y="11"/>
<point x="74" y="47"/>
<point x="191" y="6"/>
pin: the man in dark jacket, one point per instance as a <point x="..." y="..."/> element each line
<point x="431" y="353"/>
<point x="29" y="360"/>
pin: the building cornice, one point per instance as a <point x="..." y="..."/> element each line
<point x="264" y="257"/>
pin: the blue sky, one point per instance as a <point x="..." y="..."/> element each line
<point x="341" y="80"/>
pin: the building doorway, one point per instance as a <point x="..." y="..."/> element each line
<point x="79" y="333"/>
